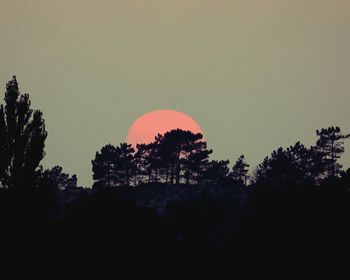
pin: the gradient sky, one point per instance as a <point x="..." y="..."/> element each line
<point x="254" y="74"/>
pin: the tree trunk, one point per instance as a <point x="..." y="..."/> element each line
<point x="167" y="176"/>
<point x="149" y="176"/>
<point x="178" y="174"/>
<point x="172" y="176"/>
<point x="333" y="160"/>
<point x="188" y="175"/>
<point x="109" y="176"/>
<point x="127" y="177"/>
<point x="156" y="178"/>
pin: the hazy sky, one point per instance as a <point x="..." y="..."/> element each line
<point x="255" y="74"/>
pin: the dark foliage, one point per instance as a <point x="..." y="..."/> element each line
<point x="176" y="157"/>
<point x="240" y="171"/>
<point x="22" y="137"/>
<point x="168" y="197"/>
<point x="330" y="147"/>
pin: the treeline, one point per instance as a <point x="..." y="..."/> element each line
<point x="182" y="157"/>
<point x="176" y="158"/>
<point x="297" y="194"/>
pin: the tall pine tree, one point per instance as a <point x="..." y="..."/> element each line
<point x="330" y="147"/>
<point x="240" y="171"/>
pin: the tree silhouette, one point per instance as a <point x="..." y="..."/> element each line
<point x="330" y="147"/>
<point x="104" y="165"/>
<point x="22" y="139"/>
<point x="62" y="181"/>
<point x="155" y="160"/>
<point x="142" y="163"/>
<point x="196" y="159"/>
<point x="303" y="160"/>
<point x="173" y="147"/>
<point x="216" y="173"/>
<point x="113" y="166"/>
<point x="125" y="163"/>
<point x="183" y="154"/>
<point x="280" y="169"/>
<point x="240" y="170"/>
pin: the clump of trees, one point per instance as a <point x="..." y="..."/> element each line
<point x="177" y="157"/>
<point x="299" y="164"/>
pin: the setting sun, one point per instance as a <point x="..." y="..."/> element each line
<point x="146" y="127"/>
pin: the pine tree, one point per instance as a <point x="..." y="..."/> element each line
<point x="113" y="166"/>
<point x="182" y="152"/>
<point x="240" y="170"/>
<point x="216" y="172"/>
<point x="125" y="162"/>
<point x="303" y="159"/>
<point x="278" y="170"/>
<point x="330" y="147"/>
<point x="104" y="165"/>
<point x="197" y="160"/>
<point x="142" y="164"/>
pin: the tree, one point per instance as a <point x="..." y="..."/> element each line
<point x="148" y="162"/>
<point x="104" y="165"/>
<point x="173" y="148"/>
<point x="113" y="166"/>
<point x="54" y="190"/>
<point x="197" y="160"/>
<point x="278" y="170"/>
<point x="330" y="147"/>
<point x="56" y="177"/>
<point x="125" y="162"/>
<point x="216" y="172"/>
<point x="22" y="139"/>
<point x="182" y="153"/>
<point x="156" y="161"/>
<point x="260" y="173"/>
<point x="240" y="170"/>
<point x="142" y="166"/>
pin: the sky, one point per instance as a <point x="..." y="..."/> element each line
<point x="255" y="75"/>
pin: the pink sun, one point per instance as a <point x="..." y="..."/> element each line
<point x="146" y="127"/>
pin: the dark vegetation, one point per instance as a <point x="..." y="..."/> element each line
<point x="168" y="196"/>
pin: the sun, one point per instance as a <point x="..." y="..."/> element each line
<point x="146" y="127"/>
